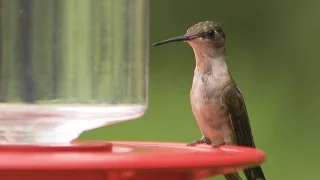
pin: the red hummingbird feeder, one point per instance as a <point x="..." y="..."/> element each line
<point x="117" y="160"/>
<point x="71" y="66"/>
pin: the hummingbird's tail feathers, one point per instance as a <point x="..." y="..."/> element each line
<point x="232" y="176"/>
<point x="255" y="173"/>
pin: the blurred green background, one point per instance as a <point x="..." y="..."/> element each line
<point x="273" y="56"/>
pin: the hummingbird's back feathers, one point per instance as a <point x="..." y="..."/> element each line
<point x="241" y="126"/>
<point x="239" y="117"/>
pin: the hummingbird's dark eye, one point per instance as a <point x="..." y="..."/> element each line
<point x="211" y="33"/>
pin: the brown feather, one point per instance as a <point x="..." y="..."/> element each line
<point x="241" y="126"/>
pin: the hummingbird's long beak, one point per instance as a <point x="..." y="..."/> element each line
<point x="175" y="39"/>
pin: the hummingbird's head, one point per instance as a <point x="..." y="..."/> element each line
<point x="206" y="36"/>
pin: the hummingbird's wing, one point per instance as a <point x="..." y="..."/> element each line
<point x="241" y="126"/>
<point x="239" y="116"/>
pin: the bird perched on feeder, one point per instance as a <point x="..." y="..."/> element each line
<point x="217" y="102"/>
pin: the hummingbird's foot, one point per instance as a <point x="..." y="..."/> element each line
<point x="217" y="145"/>
<point x="203" y="140"/>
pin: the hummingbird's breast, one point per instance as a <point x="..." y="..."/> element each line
<point x="211" y="113"/>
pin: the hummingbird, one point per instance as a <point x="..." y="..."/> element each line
<point x="217" y="102"/>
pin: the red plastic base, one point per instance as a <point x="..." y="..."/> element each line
<point x="96" y="160"/>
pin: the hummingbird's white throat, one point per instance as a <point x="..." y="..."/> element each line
<point x="208" y="58"/>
